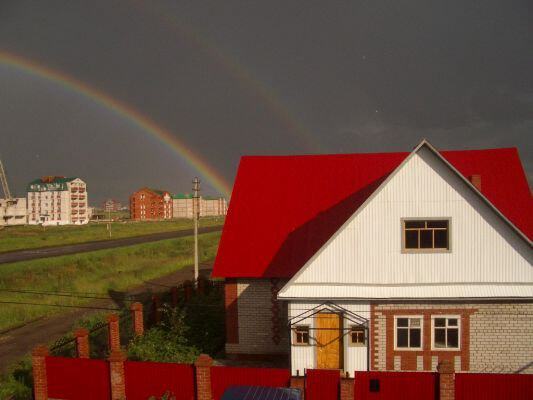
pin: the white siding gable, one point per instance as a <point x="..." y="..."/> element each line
<point x="364" y="258"/>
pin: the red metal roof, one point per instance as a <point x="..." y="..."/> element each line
<point x="284" y="208"/>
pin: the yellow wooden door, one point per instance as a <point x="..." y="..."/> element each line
<point x="328" y="341"/>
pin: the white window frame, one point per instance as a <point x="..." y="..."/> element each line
<point x="396" y="348"/>
<point x="459" y="328"/>
<point x="295" y="341"/>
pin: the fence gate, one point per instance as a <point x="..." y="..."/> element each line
<point x="322" y="384"/>
<point x="396" y="386"/>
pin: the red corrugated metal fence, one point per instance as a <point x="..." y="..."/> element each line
<point x="223" y="377"/>
<point x="322" y="384"/>
<point x="493" y="386"/>
<point x="396" y="386"/>
<point x="77" y="378"/>
<point x="146" y="379"/>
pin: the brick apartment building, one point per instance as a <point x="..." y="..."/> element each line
<point x="150" y="204"/>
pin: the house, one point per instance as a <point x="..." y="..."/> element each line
<point x="56" y="200"/>
<point x="150" y="204"/>
<point x="386" y="261"/>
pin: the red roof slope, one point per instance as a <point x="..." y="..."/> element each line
<point x="284" y="208"/>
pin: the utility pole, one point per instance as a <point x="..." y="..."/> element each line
<point x="109" y="220"/>
<point x="196" y="217"/>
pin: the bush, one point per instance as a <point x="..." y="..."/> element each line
<point x="17" y="383"/>
<point x="184" y="332"/>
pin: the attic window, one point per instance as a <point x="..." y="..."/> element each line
<point x="420" y="235"/>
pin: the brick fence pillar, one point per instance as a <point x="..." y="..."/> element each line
<point x="116" y="375"/>
<point x="446" y="380"/>
<point x="201" y="285"/>
<point x="113" y="332"/>
<point x="298" y="382"/>
<point x="156" y="309"/>
<point x="347" y="389"/>
<point x="82" y="342"/>
<point x="137" y="318"/>
<point x="174" y="295"/>
<point x="187" y="287"/>
<point x="40" y="383"/>
<point x="203" y="377"/>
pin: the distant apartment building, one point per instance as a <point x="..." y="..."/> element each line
<point x="111" y="205"/>
<point x="56" y="200"/>
<point x="13" y="212"/>
<point x="183" y="206"/>
<point x="150" y="204"/>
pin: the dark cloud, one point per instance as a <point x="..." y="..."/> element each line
<point x="231" y="78"/>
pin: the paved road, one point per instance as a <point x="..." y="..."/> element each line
<point x="24" y="255"/>
<point x="17" y="342"/>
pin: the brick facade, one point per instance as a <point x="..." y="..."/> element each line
<point x="149" y="204"/>
<point x="261" y="318"/>
<point x="494" y="337"/>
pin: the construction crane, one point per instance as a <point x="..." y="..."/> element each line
<point x="5" y="186"/>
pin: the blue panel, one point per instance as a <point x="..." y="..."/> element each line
<point x="260" y="393"/>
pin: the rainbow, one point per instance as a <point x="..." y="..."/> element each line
<point x="125" y="111"/>
<point x="266" y="94"/>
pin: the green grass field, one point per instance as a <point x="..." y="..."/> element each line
<point x="30" y="237"/>
<point x="93" y="272"/>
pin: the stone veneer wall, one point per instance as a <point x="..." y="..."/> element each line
<point x="262" y="322"/>
<point x="495" y="337"/>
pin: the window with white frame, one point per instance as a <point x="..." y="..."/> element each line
<point x="357" y="335"/>
<point x="408" y="331"/>
<point x="446" y="330"/>
<point x="301" y="335"/>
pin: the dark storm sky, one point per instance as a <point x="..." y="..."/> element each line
<point x="231" y="78"/>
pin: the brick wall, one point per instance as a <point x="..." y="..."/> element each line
<point x="501" y="338"/>
<point x="495" y="337"/>
<point x="262" y="321"/>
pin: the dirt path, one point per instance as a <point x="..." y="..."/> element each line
<point x="31" y="254"/>
<point x="17" y="342"/>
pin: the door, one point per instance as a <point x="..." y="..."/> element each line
<point x="328" y="341"/>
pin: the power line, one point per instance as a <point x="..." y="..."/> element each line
<point x="59" y="305"/>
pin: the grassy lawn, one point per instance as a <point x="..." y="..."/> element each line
<point x="28" y="237"/>
<point x="93" y="272"/>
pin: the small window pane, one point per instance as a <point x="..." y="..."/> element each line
<point x="414" y="321"/>
<point x="441" y="239"/>
<point x="440" y="321"/>
<point x="452" y="322"/>
<point x="453" y="337"/>
<point x="437" y="224"/>
<point x="402" y="322"/>
<point x="426" y="239"/>
<point x="411" y="239"/>
<point x="414" y="336"/>
<point x="402" y="338"/>
<point x="440" y="337"/>
<point x="415" y="224"/>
